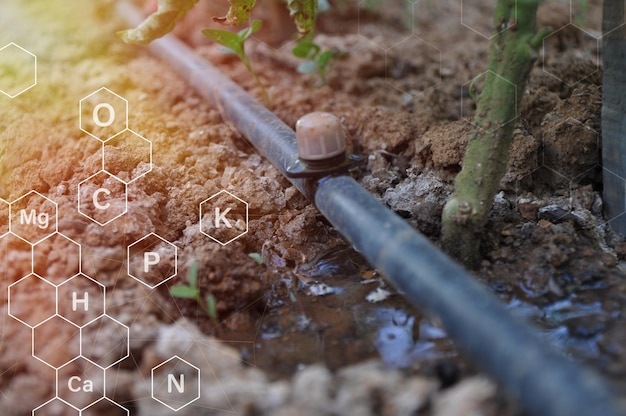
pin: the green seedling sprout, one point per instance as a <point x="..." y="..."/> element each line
<point x="303" y="12"/>
<point x="316" y="60"/>
<point x="191" y="290"/>
<point x="259" y="259"/>
<point x="236" y="42"/>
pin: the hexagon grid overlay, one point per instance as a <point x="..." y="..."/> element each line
<point x="71" y="333"/>
<point x="18" y="70"/>
<point x="107" y="343"/>
<point x="102" y="198"/>
<point x="65" y="309"/>
<point x="33" y="217"/>
<point x="126" y="156"/>
<point x="224" y="217"/>
<point x="103" y="114"/>
<point x="60" y="305"/>
<point x="152" y="260"/>
<point x="175" y="383"/>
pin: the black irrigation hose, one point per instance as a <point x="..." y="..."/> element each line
<point x="542" y="381"/>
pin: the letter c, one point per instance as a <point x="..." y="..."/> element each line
<point x="70" y="384"/>
<point x="96" y="202"/>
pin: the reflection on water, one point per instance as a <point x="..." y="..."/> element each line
<point x="572" y="328"/>
<point x="325" y="317"/>
<point x="328" y="318"/>
<point x="395" y="337"/>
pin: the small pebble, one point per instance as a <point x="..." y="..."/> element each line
<point x="378" y="295"/>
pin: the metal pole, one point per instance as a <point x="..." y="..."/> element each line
<point x="614" y="114"/>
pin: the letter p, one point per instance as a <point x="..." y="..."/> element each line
<point x="150" y="258"/>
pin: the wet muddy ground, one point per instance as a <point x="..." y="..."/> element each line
<point x="313" y="327"/>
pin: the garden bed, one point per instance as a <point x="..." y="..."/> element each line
<point x="302" y="319"/>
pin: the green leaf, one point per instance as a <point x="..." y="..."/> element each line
<point x="257" y="257"/>
<point x="225" y="38"/>
<point x="185" y="292"/>
<point x="255" y="25"/>
<point x="192" y="276"/>
<point x="305" y="50"/>
<point x="323" y="59"/>
<point x="211" y="305"/>
<point x="235" y="42"/>
<point x="158" y="23"/>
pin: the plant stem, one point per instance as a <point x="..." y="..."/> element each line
<point x="512" y="54"/>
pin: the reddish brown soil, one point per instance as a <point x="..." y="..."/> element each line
<point x="404" y="101"/>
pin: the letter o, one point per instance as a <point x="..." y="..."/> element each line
<point x="96" y="115"/>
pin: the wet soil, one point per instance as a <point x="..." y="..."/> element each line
<point x="313" y="312"/>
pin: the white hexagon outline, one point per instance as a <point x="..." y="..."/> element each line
<point x="70" y="404"/>
<point x="32" y="350"/>
<point x="141" y="137"/>
<point x="609" y="31"/>
<point x="175" y="260"/>
<point x="104" y="296"/>
<point x="51" y="400"/>
<point x="127" y="341"/>
<point x="152" y="382"/>
<point x="102" y="224"/>
<point x="56" y="307"/>
<point x="80" y="260"/>
<point x="598" y="58"/>
<point x="471" y="120"/>
<point x="80" y="113"/>
<point x="493" y="34"/>
<point x="110" y="401"/>
<point x="56" y="217"/>
<point x="35" y="80"/>
<point x="424" y="41"/>
<point x="201" y="215"/>
<point x="8" y="212"/>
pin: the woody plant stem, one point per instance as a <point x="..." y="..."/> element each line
<point x="512" y="53"/>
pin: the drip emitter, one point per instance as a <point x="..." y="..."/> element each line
<point x="321" y="147"/>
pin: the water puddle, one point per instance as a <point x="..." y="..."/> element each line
<point x="337" y="311"/>
<point x="573" y="328"/>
